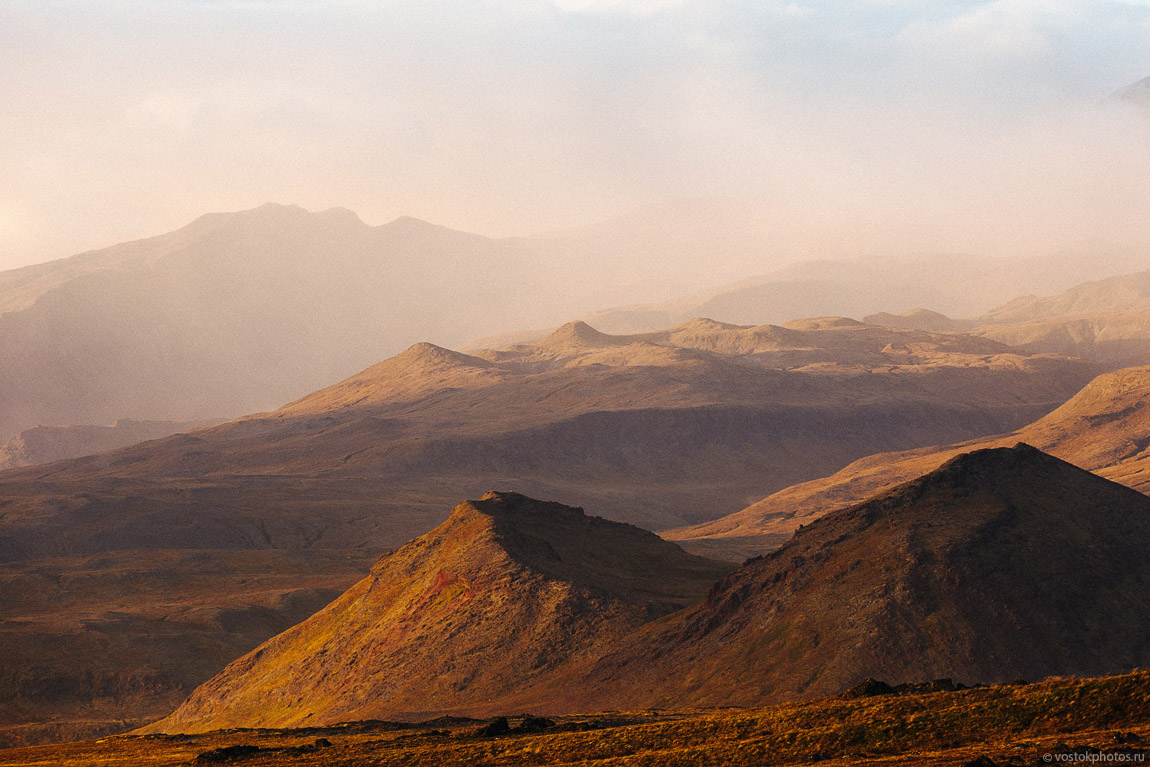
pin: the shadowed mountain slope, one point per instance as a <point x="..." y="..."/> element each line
<point x="1002" y="563"/>
<point x="492" y="610"/>
<point x="1105" y="428"/>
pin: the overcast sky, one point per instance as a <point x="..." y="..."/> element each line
<point x="981" y="126"/>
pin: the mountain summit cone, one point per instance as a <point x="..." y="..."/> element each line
<point x="500" y="606"/>
<point x="1002" y="563"/>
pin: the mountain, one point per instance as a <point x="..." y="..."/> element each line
<point x="1114" y="295"/>
<point x="918" y="319"/>
<point x="656" y="429"/>
<point x="1137" y="93"/>
<point x="660" y="430"/>
<point x="42" y="444"/>
<point x="1106" y="321"/>
<point x="496" y="609"/>
<point x="1001" y="564"/>
<point x="874" y="287"/>
<point x="241" y="312"/>
<point x="1105" y="428"/>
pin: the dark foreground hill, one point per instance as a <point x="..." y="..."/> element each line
<point x="498" y="608"/>
<point x="1001" y="564"/>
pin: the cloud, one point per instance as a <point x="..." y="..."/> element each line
<point x="937" y="122"/>
<point x="634" y="7"/>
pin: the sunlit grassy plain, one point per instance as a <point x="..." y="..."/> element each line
<point x="1009" y="724"/>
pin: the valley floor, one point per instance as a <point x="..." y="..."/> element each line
<point x="1105" y="720"/>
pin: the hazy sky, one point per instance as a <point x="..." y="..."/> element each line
<point x="966" y="125"/>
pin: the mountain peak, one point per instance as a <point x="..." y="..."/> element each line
<point x="1136" y="93"/>
<point x="975" y="487"/>
<point x="494" y="609"/>
<point x="424" y="354"/>
<point x="707" y="325"/>
<point x="503" y="501"/>
<point x="1019" y="457"/>
<point x="990" y="568"/>
<point x="822" y="323"/>
<point x="917" y="319"/>
<point x="343" y="215"/>
<point x="579" y="334"/>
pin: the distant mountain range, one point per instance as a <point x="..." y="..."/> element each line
<point x="1002" y="563"/>
<point x="241" y="312"/>
<point x="655" y="429"/>
<point x="947" y="284"/>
